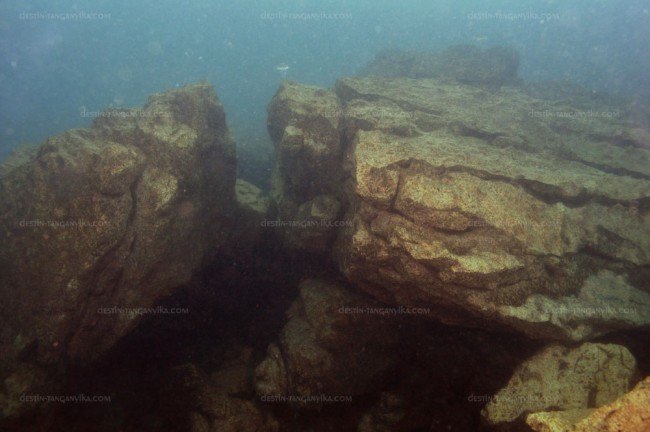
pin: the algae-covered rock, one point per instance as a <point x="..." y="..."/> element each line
<point x="496" y="214"/>
<point x="494" y="208"/>
<point x="492" y="67"/>
<point x="253" y="207"/>
<point x="327" y="352"/>
<point x="557" y="421"/>
<point x="104" y="222"/>
<point x="559" y="378"/>
<point x="198" y="403"/>
<point x="305" y="126"/>
<point x="629" y="413"/>
<point x="384" y="416"/>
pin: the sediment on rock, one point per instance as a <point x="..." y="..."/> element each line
<point x="104" y="222"/>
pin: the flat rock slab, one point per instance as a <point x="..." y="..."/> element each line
<point x="494" y="208"/>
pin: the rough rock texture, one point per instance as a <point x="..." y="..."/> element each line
<point x="116" y="215"/>
<point x="326" y="349"/>
<point x="305" y="126"/>
<point x="255" y="156"/>
<point x="196" y="402"/>
<point x="492" y="211"/>
<point x="18" y="157"/>
<point x="418" y="374"/>
<point x="385" y="415"/>
<point x="535" y="217"/>
<point x="253" y="207"/>
<point x="630" y="413"/>
<point x="557" y="421"/>
<point x="492" y="67"/>
<point x="560" y="378"/>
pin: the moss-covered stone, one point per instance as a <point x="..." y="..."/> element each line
<point x="104" y="220"/>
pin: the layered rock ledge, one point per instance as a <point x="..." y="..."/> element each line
<point x="444" y="197"/>
<point x="492" y="208"/>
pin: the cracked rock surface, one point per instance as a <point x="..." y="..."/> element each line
<point x="326" y="348"/>
<point x="104" y="222"/>
<point x="476" y="205"/>
<point x="492" y="208"/>
<point x="560" y="378"/>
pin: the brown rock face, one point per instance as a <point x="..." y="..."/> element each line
<point x="329" y="347"/>
<point x="104" y="222"/>
<point x="559" y="378"/>
<point x="493" y="209"/>
<point x="305" y="126"/>
<point x="472" y="203"/>
<point x="630" y="413"/>
<point x="196" y="402"/>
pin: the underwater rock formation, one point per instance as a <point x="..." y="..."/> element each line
<point x="102" y="224"/>
<point x="196" y="402"/>
<point x="629" y="413"/>
<point x="305" y="126"/>
<point x="516" y="220"/>
<point x="340" y="351"/>
<point x="385" y="416"/>
<point x="492" y="209"/>
<point x="326" y="348"/>
<point x="560" y="378"/>
<point x="473" y="204"/>
<point x="468" y="64"/>
<point x="253" y="207"/>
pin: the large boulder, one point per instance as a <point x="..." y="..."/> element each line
<point x="220" y="402"/>
<point x="102" y="223"/>
<point x="305" y="126"/>
<point x="629" y="413"/>
<point x="494" y="209"/>
<point x="559" y="378"/>
<point x="329" y="347"/>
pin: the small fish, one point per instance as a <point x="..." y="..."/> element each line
<point x="480" y="38"/>
<point x="282" y="68"/>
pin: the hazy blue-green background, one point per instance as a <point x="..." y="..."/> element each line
<point x="51" y="69"/>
